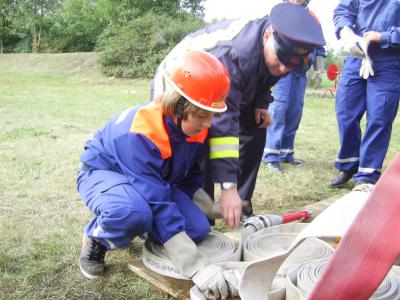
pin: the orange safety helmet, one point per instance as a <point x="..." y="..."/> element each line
<point x="201" y="78"/>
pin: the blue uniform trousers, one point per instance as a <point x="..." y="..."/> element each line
<point x="121" y="213"/>
<point x="378" y="96"/>
<point x="286" y="112"/>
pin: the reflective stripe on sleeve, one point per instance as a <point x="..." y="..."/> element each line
<point x="224" y="147"/>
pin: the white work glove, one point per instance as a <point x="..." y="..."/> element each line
<point x="232" y="272"/>
<point x="210" y="208"/>
<point x="366" y="69"/>
<point x="353" y="44"/>
<point x="186" y="257"/>
<point x="211" y="282"/>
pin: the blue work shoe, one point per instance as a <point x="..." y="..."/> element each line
<point x="274" y="166"/>
<point x="295" y="162"/>
<point x="91" y="259"/>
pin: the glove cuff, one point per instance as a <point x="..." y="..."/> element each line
<point x="184" y="254"/>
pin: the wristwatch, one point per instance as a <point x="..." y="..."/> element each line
<point x="228" y="185"/>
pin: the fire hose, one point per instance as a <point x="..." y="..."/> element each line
<point x="216" y="246"/>
<point x="301" y="281"/>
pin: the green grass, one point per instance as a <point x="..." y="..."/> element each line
<point x="49" y="106"/>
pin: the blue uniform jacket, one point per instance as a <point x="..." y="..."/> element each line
<point x="372" y="15"/>
<point x="238" y="44"/>
<point x="156" y="157"/>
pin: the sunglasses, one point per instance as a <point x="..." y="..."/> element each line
<point x="291" y="59"/>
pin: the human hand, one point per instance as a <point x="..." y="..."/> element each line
<point x="262" y="117"/>
<point x="231" y="207"/>
<point x="353" y="44"/>
<point x="373" y="37"/>
<point x="233" y="271"/>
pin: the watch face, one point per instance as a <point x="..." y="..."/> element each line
<point x="228" y="185"/>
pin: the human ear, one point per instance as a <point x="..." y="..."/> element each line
<point x="267" y="34"/>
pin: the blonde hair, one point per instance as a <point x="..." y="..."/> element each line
<point x="169" y="103"/>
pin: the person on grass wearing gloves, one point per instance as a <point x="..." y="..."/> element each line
<point x="140" y="173"/>
<point x="287" y="108"/>
<point x="369" y="83"/>
<point x="256" y="53"/>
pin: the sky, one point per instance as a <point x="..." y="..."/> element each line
<point x="228" y="9"/>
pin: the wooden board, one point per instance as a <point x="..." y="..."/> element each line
<point x="176" y="288"/>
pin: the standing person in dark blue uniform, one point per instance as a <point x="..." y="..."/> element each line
<point x="256" y="53"/>
<point x="369" y="83"/>
<point x="140" y="173"/>
<point x="286" y="111"/>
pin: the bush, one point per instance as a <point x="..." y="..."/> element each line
<point x="136" y="49"/>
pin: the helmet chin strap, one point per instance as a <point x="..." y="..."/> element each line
<point x="179" y="112"/>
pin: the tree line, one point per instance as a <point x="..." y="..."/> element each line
<point x="132" y="35"/>
<point x="75" y="25"/>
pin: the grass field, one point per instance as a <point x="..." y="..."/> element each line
<point x="49" y="106"/>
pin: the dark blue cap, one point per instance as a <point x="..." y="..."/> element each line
<point x="297" y="32"/>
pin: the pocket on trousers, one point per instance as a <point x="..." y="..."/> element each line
<point x="108" y="184"/>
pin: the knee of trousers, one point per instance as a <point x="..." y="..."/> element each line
<point x="127" y="222"/>
<point x="198" y="230"/>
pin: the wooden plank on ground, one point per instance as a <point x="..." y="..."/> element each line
<point x="176" y="288"/>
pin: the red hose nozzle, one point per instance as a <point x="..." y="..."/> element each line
<point x="298" y="215"/>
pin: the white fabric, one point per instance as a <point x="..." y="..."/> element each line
<point x="331" y="223"/>
<point x="366" y="69"/>
<point x="364" y="187"/>
<point x="211" y="282"/>
<point x="268" y="241"/>
<point x="353" y="44"/>
<point x="301" y="281"/>
<point x="184" y="254"/>
<point x="216" y="247"/>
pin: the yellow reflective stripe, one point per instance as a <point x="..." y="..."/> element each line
<point x="226" y="140"/>
<point x="224" y="147"/>
<point x="224" y="154"/>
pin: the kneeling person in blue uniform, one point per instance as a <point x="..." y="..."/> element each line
<point x="140" y="172"/>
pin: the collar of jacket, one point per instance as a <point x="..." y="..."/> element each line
<point x="151" y="122"/>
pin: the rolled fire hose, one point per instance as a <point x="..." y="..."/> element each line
<point x="216" y="247"/>
<point x="301" y="281"/>
<point x="273" y="240"/>
<point x="331" y="223"/>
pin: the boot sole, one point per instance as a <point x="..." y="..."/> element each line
<point x="87" y="275"/>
